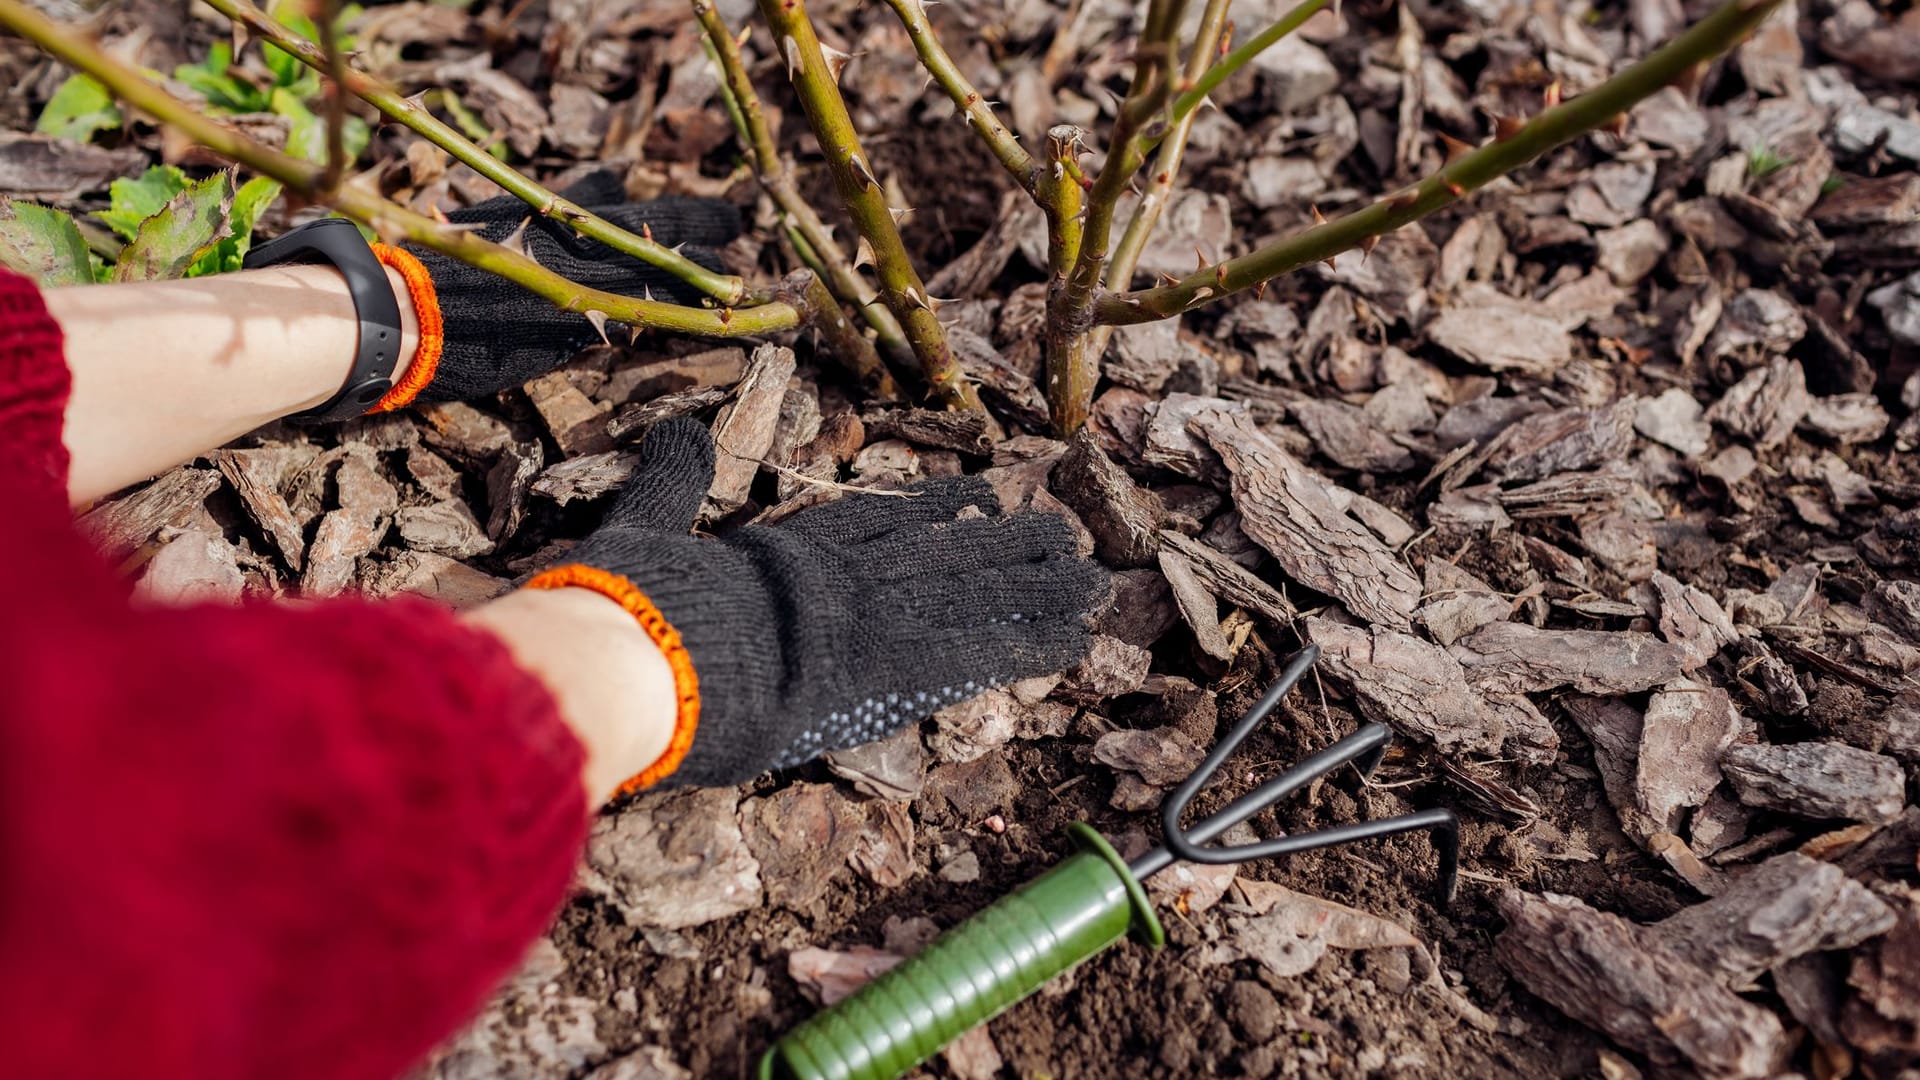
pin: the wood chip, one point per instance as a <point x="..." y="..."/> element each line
<point x="1817" y="780"/>
<point x="673" y="859"/>
<point x="1295" y="930"/>
<point x="1409" y="684"/>
<point x="801" y="836"/>
<point x="195" y="566"/>
<point x="1765" y="405"/>
<point x="509" y="483"/>
<point x="743" y="433"/>
<point x="589" y="477"/>
<point x="344" y="536"/>
<point x="1615" y="977"/>
<point x="1161" y="757"/>
<point x="1348" y="437"/>
<point x="1520" y="658"/>
<point x="436" y="577"/>
<point x="257" y="477"/>
<point x="1298" y="516"/>
<point x="965" y="432"/>
<point x="1503" y="338"/>
<point x="1228" y="580"/>
<point x="1197" y="605"/>
<point x="1783" y="909"/>
<point x="116" y="528"/>
<point x="464" y="431"/>
<point x="576" y="422"/>
<point x="1692" y="620"/>
<point x="1565" y="440"/>
<point x="1123" y="518"/>
<point x="893" y="768"/>
<point x="1685" y="730"/>
<point x="444" y="528"/>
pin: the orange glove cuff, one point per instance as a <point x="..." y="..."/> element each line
<point x="686" y="685"/>
<point x="426" y="309"/>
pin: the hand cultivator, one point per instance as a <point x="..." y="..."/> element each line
<point x="1073" y="912"/>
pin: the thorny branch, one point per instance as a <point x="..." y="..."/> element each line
<point x="385" y="217"/>
<point x="1510" y="149"/>
<point x="326" y="14"/>
<point x="1194" y="93"/>
<point x="813" y="239"/>
<point x="1004" y="144"/>
<point x="817" y="84"/>
<point x="724" y="288"/>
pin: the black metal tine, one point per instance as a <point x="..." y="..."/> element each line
<point x="1370" y="742"/>
<point x="1364" y="749"/>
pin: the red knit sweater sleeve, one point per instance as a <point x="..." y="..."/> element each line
<point x="286" y="841"/>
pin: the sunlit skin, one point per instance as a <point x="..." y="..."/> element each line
<point x="164" y="371"/>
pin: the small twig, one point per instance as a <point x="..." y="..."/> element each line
<point x="325" y="14"/>
<point x="722" y="287"/>
<point x="776" y="178"/>
<point x="385" y="217"/>
<point x="1191" y="97"/>
<point x="1166" y="168"/>
<point x="980" y="117"/>
<point x="1509" y="150"/>
<point x="845" y="342"/>
<point x="901" y="288"/>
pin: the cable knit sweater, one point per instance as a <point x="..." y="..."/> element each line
<point x="272" y="841"/>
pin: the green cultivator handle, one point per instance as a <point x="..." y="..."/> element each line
<point x="974" y="972"/>
<point x="987" y="964"/>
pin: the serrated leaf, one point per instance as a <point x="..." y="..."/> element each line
<point x="249" y="203"/>
<point x="136" y="200"/>
<point x="187" y="228"/>
<point x="213" y="78"/>
<point x="80" y="109"/>
<point x="42" y="243"/>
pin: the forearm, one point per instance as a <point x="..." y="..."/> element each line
<point x="613" y="687"/>
<point x="163" y="371"/>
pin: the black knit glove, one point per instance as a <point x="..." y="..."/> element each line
<point x="498" y="334"/>
<point x="842" y="623"/>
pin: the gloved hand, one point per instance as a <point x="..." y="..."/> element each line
<point x="496" y="334"/>
<point x="837" y="626"/>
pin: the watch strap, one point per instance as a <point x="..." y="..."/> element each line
<point x="338" y="242"/>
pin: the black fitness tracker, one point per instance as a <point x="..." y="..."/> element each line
<point x="338" y="241"/>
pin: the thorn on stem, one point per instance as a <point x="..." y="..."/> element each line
<point x="1367" y="244"/>
<point x="861" y="172"/>
<point x="791" y="49"/>
<point x="1618" y="126"/>
<point x="863" y="254"/>
<point x="1260" y="289"/>
<point x="599" y="321"/>
<point x="836" y="61"/>
<point x="1456" y="149"/>
<point x="1318" y="217"/>
<point x="1165" y="280"/>
<point x="646" y="232"/>
<point x="1453" y="186"/>
<point x="1551" y="96"/>
<point x="1506" y="127"/>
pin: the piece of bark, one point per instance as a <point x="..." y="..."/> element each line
<point x="1457" y="603"/>
<point x="1565" y="440"/>
<point x="1503" y="337"/>
<point x="1298" y="516"/>
<point x="1142" y="609"/>
<point x="577" y="423"/>
<point x="589" y="477"/>
<point x="1773" y="913"/>
<point x="1161" y="757"/>
<point x="1847" y="418"/>
<point x="509" y="483"/>
<point x="194" y="566"/>
<point x="1123" y="518"/>
<point x="1692" y="619"/>
<point x="1622" y="542"/>
<point x="116" y="528"/>
<point x="1675" y="419"/>
<point x="1609" y="974"/>
<point x="1766" y="404"/>
<point x="975" y="727"/>
<point x="60" y="170"/>
<point x="444" y="528"/>
<point x="257" y="477"/>
<point x="1520" y="658"/>
<point x="893" y="768"/>
<point x="883" y="852"/>
<point x="743" y="432"/>
<point x="673" y="859"/>
<point x="344" y="536"/>
<point x="1111" y="668"/>
<point x="1685" y="730"/>
<point x="361" y="487"/>
<point x="1197" y="606"/>
<point x="436" y="577"/>
<point x="632" y="423"/>
<point x="1613" y="728"/>
<point x="1145" y="357"/>
<point x="1411" y="685"/>
<point x="1720" y="823"/>
<point x="1883" y="1017"/>
<point x="964" y="432"/>
<point x="1228" y="580"/>
<point x="1295" y="930"/>
<point x="464" y="431"/>
<point x="1169" y="444"/>
<point x="1572" y="494"/>
<point x="1348" y="437"/>
<point x="431" y="471"/>
<point x="712" y="369"/>
<point x="1385" y="522"/>
<point x="1817" y="780"/>
<point x="801" y="836"/>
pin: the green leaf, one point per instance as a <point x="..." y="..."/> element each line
<point x="78" y="110"/>
<point x="42" y="243"/>
<point x="214" y="79"/>
<point x="189" y="227"/>
<point x="134" y="201"/>
<point x="249" y="203"/>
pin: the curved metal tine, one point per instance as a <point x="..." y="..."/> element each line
<point x="1442" y="823"/>
<point x="1176" y="803"/>
<point x="1364" y="747"/>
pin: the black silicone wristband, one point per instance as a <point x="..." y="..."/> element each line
<point x="338" y="241"/>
